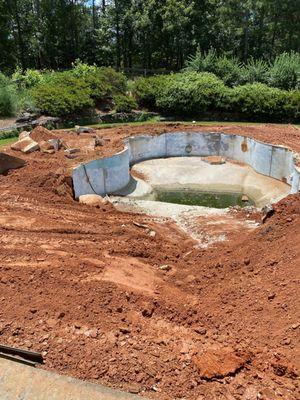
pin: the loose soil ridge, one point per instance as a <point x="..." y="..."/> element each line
<point x="85" y="286"/>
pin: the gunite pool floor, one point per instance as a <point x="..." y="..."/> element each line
<point x="197" y="195"/>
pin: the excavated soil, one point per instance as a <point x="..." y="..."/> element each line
<point x="106" y="300"/>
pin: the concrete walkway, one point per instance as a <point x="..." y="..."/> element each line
<point x="21" y="382"/>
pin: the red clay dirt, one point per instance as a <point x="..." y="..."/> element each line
<point x="85" y="286"/>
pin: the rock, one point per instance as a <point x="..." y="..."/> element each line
<point x="83" y="129"/>
<point x="24" y="134"/>
<point x="245" y="198"/>
<point x="46" y="147"/>
<point x="247" y="261"/>
<point x="267" y="211"/>
<point x="295" y="326"/>
<point x="26" y="117"/>
<point x="26" y="145"/>
<point x="92" y="200"/>
<point x="55" y="143"/>
<point x="124" y="329"/>
<point x="214" y="160"/>
<point x="271" y="296"/>
<point x="200" y="330"/>
<point x="219" y="363"/>
<point x="72" y="150"/>
<point x="152" y="233"/>
<point x="99" y="141"/>
<point x="165" y="267"/>
<point x="8" y="162"/>
<point x="93" y="333"/>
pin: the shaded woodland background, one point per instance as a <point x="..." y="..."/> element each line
<point x="151" y="34"/>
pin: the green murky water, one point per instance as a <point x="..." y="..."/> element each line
<point x="199" y="198"/>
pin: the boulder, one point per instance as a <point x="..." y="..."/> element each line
<point x="92" y="200"/>
<point x="83" y="129"/>
<point x="8" y="162"/>
<point x="46" y="147"/>
<point x="25" y="145"/>
<point x="24" y="134"/>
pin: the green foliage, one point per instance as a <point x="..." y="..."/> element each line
<point x="103" y="82"/>
<point x="285" y="71"/>
<point x="146" y="89"/>
<point x="28" y="79"/>
<point x="192" y="93"/>
<point x="258" y="100"/>
<point x="80" y="69"/>
<point x="292" y="106"/>
<point x="8" y="97"/>
<point x="254" y="71"/>
<point x="226" y="68"/>
<point x="63" y="95"/>
<point x="9" y="134"/>
<point x="124" y="103"/>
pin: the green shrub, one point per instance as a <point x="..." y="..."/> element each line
<point x="115" y="79"/>
<point x="285" y="71"/>
<point x="124" y="103"/>
<point x="226" y="68"/>
<point x="103" y="82"/>
<point x="28" y="79"/>
<point x="192" y="93"/>
<point x="258" y="100"/>
<point x="80" y="69"/>
<point x="9" y="102"/>
<point x="146" y="89"/>
<point x="62" y="95"/>
<point x="255" y="71"/>
<point x="292" y="106"/>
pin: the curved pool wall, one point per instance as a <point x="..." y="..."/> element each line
<point x="110" y="174"/>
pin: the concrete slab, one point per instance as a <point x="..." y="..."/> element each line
<point x="18" y="381"/>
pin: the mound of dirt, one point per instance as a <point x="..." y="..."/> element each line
<point x="42" y="134"/>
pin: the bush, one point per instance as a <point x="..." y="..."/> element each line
<point x="146" y="89"/>
<point x="292" y="106"/>
<point x="192" y="93"/>
<point x="62" y="95"/>
<point x="226" y="68"/>
<point x="254" y="71"/>
<point x="9" y="101"/>
<point x="259" y="101"/>
<point x="285" y="71"/>
<point x="104" y="83"/>
<point x="28" y="79"/>
<point x="124" y="103"/>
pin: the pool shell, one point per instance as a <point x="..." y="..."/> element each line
<point x="111" y="174"/>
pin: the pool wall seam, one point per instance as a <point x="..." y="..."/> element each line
<point x="110" y="174"/>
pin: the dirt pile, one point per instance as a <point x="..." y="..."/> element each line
<point x="40" y="134"/>
<point x="88" y="287"/>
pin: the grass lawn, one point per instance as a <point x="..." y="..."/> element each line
<point x="156" y="121"/>
<point x="5" y="142"/>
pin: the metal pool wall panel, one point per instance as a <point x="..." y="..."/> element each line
<point x="236" y="147"/>
<point x="295" y="180"/>
<point x="102" y="176"/>
<point x="88" y="179"/>
<point x="183" y="144"/>
<point x="281" y="164"/>
<point x="116" y="171"/>
<point x="261" y="155"/>
<point x="143" y="148"/>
